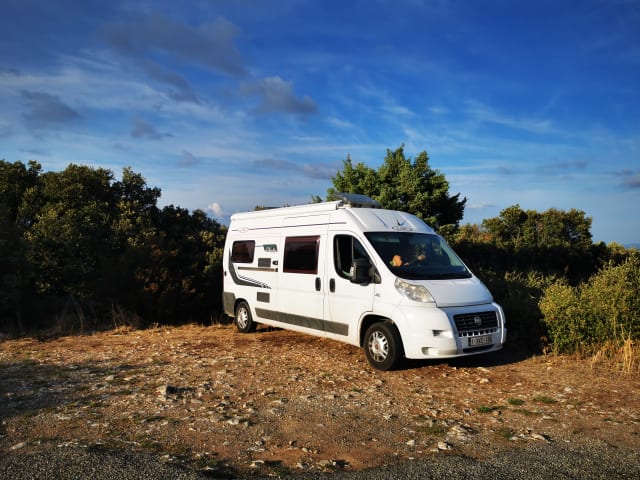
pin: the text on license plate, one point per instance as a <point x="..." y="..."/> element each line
<point x="482" y="340"/>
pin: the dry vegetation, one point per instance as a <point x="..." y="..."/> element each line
<point x="277" y="401"/>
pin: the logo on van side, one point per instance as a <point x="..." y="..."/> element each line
<point x="400" y="228"/>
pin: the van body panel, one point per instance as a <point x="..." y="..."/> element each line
<point x="294" y="266"/>
<point x="459" y="292"/>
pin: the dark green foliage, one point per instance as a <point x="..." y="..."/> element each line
<point x="66" y="220"/>
<point x="80" y="249"/>
<point x="403" y="184"/>
<point x="552" y="242"/>
<point x="15" y="180"/>
<point x="178" y="280"/>
<point x="526" y="256"/>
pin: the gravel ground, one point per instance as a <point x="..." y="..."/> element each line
<point x="533" y="461"/>
<point x="207" y="402"/>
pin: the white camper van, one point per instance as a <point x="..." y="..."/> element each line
<point x="347" y="270"/>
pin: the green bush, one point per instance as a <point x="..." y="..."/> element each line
<point x="518" y="293"/>
<point x="603" y="310"/>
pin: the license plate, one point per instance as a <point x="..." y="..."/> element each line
<point x="477" y="341"/>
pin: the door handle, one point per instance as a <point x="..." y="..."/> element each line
<point x="332" y="285"/>
<point x="318" y="285"/>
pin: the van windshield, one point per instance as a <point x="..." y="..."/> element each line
<point x="418" y="256"/>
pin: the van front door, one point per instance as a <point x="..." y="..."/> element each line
<point x="347" y="301"/>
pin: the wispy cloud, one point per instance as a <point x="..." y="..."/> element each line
<point x="143" y="129"/>
<point x="480" y="206"/>
<point x="563" y="167"/>
<point x="45" y="110"/>
<point x="210" y="45"/>
<point x="485" y="114"/>
<point x="277" y="96"/>
<point x="187" y="159"/>
<point x="319" y="171"/>
<point x="631" y="178"/>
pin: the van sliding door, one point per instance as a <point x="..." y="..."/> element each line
<point x="301" y="285"/>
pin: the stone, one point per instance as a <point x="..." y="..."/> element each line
<point x="538" y="436"/>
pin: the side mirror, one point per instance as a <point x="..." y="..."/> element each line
<point x="360" y="271"/>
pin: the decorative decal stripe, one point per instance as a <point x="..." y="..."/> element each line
<point x="240" y="280"/>
<point x="302" y="321"/>
<point x="258" y="269"/>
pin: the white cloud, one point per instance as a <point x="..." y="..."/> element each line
<point x="217" y="209"/>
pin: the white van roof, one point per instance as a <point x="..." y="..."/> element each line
<point x="370" y="218"/>
<point x="377" y="220"/>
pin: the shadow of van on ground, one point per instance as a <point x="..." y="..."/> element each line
<point x="509" y="355"/>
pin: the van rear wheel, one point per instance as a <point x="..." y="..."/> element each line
<point x="383" y="346"/>
<point x="243" y="320"/>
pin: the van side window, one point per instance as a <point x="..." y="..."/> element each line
<point x="301" y="255"/>
<point x="346" y="249"/>
<point x="242" y="251"/>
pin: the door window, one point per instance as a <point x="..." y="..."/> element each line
<point x="346" y="249"/>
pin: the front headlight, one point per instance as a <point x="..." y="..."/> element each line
<point x="417" y="293"/>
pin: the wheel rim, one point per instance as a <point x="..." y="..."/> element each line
<point x="242" y="317"/>
<point x="378" y="346"/>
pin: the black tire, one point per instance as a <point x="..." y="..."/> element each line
<point x="383" y="346"/>
<point x="243" y="319"/>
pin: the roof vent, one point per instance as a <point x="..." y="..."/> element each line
<point x="357" y="200"/>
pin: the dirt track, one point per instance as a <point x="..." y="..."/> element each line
<point x="278" y="401"/>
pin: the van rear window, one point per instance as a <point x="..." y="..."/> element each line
<point x="242" y="251"/>
<point x="301" y="255"/>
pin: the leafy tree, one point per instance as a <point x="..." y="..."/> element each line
<point x="516" y="228"/>
<point x="15" y="179"/>
<point x="403" y="184"/>
<point x="507" y="230"/>
<point x="67" y="217"/>
<point x="183" y="257"/>
<point x="359" y="179"/>
<point x="78" y="245"/>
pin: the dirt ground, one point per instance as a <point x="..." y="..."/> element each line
<point x="276" y="402"/>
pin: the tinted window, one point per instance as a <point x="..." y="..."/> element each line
<point x="242" y="251"/>
<point x="301" y="255"/>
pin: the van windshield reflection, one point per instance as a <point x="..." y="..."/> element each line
<point x="418" y="256"/>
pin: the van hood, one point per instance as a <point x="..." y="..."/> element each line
<point x="458" y="292"/>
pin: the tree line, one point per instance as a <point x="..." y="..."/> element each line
<point x="81" y="249"/>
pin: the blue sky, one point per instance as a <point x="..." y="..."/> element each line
<point x="226" y="105"/>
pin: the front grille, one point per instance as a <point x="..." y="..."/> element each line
<point x="479" y="323"/>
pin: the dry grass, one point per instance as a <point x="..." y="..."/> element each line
<point x="623" y="360"/>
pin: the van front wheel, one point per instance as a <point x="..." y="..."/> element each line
<point x="383" y="346"/>
<point x="243" y="320"/>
